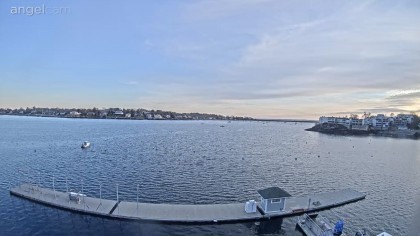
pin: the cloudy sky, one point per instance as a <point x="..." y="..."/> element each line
<point x="259" y="58"/>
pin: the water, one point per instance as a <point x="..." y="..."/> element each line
<point x="201" y="162"/>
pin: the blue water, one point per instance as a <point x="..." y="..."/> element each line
<point x="201" y="162"/>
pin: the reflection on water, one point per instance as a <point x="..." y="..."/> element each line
<point x="201" y="162"/>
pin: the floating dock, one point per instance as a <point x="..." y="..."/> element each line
<point x="179" y="213"/>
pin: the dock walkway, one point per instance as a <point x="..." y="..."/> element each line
<point x="179" y="213"/>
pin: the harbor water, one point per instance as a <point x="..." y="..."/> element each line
<point x="199" y="162"/>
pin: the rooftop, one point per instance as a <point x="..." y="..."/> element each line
<point x="273" y="192"/>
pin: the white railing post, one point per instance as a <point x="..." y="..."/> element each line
<point x="54" y="187"/>
<point x="67" y="185"/>
<point x="117" y="201"/>
<point x="137" y="199"/>
<point x="309" y="204"/>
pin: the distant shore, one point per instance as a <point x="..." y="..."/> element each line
<point x="134" y="118"/>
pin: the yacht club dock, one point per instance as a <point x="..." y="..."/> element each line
<point x="274" y="202"/>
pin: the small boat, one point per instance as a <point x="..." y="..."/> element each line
<point x="85" y="145"/>
<point x="316" y="225"/>
<point x="363" y="233"/>
<point x="384" y="234"/>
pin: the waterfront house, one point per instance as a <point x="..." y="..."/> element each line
<point x="356" y="121"/>
<point x="272" y="199"/>
<point x="326" y="119"/>
<point x="118" y="113"/>
<point x="380" y="122"/>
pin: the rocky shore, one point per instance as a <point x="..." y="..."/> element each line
<point x="338" y="129"/>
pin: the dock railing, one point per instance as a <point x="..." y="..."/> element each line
<point x="63" y="183"/>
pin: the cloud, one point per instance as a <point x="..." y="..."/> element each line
<point x="408" y="94"/>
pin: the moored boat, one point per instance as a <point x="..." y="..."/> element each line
<point x="85" y="144"/>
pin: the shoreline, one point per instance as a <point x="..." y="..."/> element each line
<point x="131" y="118"/>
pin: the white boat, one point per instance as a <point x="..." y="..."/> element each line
<point x="384" y="234"/>
<point x="316" y="225"/>
<point x="363" y="233"/>
<point x="85" y="144"/>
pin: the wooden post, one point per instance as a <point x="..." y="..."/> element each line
<point x="100" y="193"/>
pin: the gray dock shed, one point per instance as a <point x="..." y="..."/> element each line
<point x="272" y="199"/>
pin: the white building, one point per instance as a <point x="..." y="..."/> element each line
<point x="118" y="113"/>
<point x="380" y="122"/>
<point x="403" y="119"/>
<point x="74" y="114"/>
<point x="354" y="121"/>
<point x="324" y="119"/>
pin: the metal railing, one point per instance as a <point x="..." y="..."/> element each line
<point x="314" y="227"/>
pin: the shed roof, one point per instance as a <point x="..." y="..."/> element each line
<point x="273" y="192"/>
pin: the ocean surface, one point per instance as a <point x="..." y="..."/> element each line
<point x="202" y="162"/>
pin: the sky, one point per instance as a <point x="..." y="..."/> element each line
<point x="258" y="58"/>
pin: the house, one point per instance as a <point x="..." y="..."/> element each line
<point x="74" y="114"/>
<point x="272" y="199"/>
<point x="118" y="113"/>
